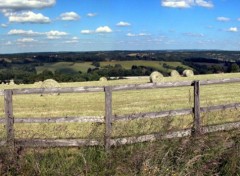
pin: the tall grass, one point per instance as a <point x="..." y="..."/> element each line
<point x="214" y="154"/>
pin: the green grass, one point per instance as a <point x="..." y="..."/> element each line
<point x="154" y="64"/>
<point x="76" y="67"/>
<point x="83" y="66"/>
<point x="206" y="155"/>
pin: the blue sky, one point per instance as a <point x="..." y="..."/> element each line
<point x="92" y="25"/>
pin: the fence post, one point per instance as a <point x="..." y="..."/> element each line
<point x="197" y="124"/>
<point x="8" y="108"/>
<point x="108" y="117"/>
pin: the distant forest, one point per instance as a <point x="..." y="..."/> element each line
<point x="22" y="67"/>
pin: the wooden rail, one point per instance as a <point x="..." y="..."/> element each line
<point x="109" y="118"/>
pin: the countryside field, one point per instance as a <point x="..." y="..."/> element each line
<point x="211" y="154"/>
<point x="83" y="66"/>
<point x="124" y="102"/>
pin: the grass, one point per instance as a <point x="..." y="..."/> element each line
<point x="154" y="64"/>
<point x="124" y="102"/>
<point x="83" y="66"/>
<point x="212" y="154"/>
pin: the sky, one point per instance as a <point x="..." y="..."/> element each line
<point x="100" y="25"/>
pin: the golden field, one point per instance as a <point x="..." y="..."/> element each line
<point x="124" y="102"/>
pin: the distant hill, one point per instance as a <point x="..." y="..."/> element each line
<point x="86" y="66"/>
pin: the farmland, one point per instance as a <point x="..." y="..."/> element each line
<point x="163" y="157"/>
<point x="83" y="66"/>
<point x="90" y="66"/>
<point x="124" y="102"/>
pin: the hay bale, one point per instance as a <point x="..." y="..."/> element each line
<point x="11" y="82"/>
<point x="174" y="73"/>
<point x="156" y="77"/>
<point x="102" y="79"/>
<point x="37" y="84"/>
<point x="188" y="73"/>
<point x="50" y="83"/>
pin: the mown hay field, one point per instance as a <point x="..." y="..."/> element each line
<point x="124" y="102"/>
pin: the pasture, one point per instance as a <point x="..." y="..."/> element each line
<point x="124" y="102"/>
<point x="83" y="66"/>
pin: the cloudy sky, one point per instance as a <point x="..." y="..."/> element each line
<point x="90" y="25"/>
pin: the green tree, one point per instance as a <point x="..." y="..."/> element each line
<point x="234" y="68"/>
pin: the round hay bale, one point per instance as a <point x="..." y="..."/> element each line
<point x="50" y="83"/>
<point x="11" y="82"/>
<point x="37" y="84"/>
<point x="188" y="73"/>
<point x="155" y="77"/>
<point x="102" y="79"/>
<point x="174" y="73"/>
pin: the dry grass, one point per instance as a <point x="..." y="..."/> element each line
<point x="206" y="155"/>
<point x="124" y="102"/>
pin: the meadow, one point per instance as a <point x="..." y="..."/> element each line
<point x="211" y="154"/>
<point x="124" y="102"/>
<point x="83" y="66"/>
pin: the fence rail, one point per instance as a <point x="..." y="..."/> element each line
<point x="109" y="118"/>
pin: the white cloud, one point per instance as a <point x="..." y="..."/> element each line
<point x="26" y="4"/>
<point x="71" y="41"/>
<point x="233" y="29"/>
<point x="194" y="34"/>
<point x="55" y="34"/>
<point x="186" y="3"/>
<point x="103" y="29"/>
<point x="4" y="25"/>
<point x="122" y="23"/>
<point x="131" y="35"/>
<point x="143" y="34"/>
<point x="23" y="32"/>
<point x="26" y="40"/>
<point x="27" y="17"/>
<point x="50" y="34"/>
<point x="69" y="16"/>
<point x="223" y="19"/>
<point x="135" y="35"/>
<point x="86" y="32"/>
<point x="91" y="14"/>
<point x="177" y="3"/>
<point x="203" y="3"/>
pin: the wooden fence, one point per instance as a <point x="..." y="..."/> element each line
<point x="109" y="118"/>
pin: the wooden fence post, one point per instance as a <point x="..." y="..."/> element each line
<point x="8" y="108"/>
<point x="108" y="117"/>
<point x="197" y="124"/>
